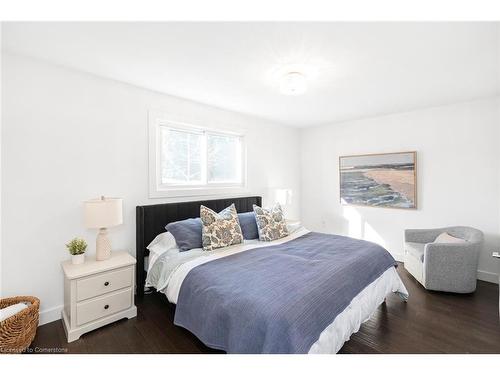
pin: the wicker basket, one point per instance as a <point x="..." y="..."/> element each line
<point x="18" y="331"/>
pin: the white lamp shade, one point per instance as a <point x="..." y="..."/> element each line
<point x="102" y="212"/>
<point x="283" y="196"/>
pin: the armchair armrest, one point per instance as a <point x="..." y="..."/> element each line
<point x="451" y="266"/>
<point x="422" y="235"/>
<point x="436" y="251"/>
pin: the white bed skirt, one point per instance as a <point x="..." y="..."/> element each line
<point x="359" y="311"/>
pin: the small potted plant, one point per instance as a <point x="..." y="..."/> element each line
<point x="76" y="248"/>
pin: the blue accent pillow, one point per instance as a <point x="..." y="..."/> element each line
<point x="248" y="225"/>
<point x="187" y="233"/>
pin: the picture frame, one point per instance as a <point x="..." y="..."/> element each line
<point x="386" y="180"/>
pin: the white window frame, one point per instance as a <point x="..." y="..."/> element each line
<point x="157" y="120"/>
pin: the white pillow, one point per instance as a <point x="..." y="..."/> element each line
<point x="446" y="238"/>
<point x="293" y="225"/>
<point x="163" y="242"/>
<point x="11" y="310"/>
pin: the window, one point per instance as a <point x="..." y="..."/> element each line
<point x="187" y="160"/>
<point x="180" y="157"/>
<point x="223" y="158"/>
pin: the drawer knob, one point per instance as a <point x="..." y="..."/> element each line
<point x="106" y="283"/>
<point x="106" y="307"/>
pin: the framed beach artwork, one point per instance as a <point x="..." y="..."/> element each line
<point x="379" y="180"/>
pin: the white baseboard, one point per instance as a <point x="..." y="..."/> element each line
<point x="50" y="315"/>
<point x="490" y="277"/>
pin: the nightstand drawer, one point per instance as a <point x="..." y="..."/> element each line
<point x="103" y="306"/>
<point x="103" y="283"/>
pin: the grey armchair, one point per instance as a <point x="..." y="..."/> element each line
<point x="448" y="267"/>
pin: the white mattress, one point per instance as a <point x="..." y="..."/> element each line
<point x="334" y="336"/>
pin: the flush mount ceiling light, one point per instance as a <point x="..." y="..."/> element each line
<point x="293" y="83"/>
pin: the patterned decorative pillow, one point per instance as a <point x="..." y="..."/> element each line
<point x="220" y="229"/>
<point x="271" y="223"/>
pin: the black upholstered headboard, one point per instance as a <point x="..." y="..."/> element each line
<point x="151" y="221"/>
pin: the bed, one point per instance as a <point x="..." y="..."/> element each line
<point x="305" y="293"/>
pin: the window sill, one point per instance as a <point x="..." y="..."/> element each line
<point x="197" y="192"/>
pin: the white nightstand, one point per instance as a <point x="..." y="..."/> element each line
<point x="97" y="293"/>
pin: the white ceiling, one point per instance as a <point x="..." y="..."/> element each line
<point x="354" y="69"/>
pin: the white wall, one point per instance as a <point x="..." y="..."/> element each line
<point x="498" y="109"/>
<point x="458" y="174"/>
<point x="69" y="136"/>
<point x="1" y="85"/>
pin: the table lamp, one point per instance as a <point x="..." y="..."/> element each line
<point x="102" y="213"/>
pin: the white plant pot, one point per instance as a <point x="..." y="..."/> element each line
<point x="78" y="259"/>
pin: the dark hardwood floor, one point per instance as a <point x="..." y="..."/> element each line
<point x="430" y="322"/>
